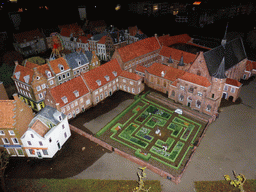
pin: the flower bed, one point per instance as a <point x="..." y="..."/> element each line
<point x="175" y="128"/>
<point x="143" y="134"/>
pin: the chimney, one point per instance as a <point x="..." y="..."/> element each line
<point x="58" y="107"/>
<point x="15" y="96"/>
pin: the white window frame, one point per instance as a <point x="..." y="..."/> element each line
<point x="182" y="87"/>
<point x="51" y="82"/>
<point x="38" y="88"/>
<point x="3" y="139"/>
<point x="233" y="90"/>
<point x="88" y="101"/>
<point x="43" y="86"/>
<point x="11" y="132"/>
<point x="2" y="132"/>
<point x="131" y="82"/>
<point x="199" y="93"/>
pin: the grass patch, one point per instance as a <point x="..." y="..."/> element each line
<point x="71" y="185"/>
<point x="223" y="186"/>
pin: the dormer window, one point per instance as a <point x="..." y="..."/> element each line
<point x="61" y="67"/>
<point x="48" y="73"/>
<point x="26" y="78"/>
<point x="64" y="99"/>
<point x="17" y="74"/>
<point x="114" y="73"/>
<point x="37" y="78"/>
<point x="98" y="82"/>
<point x="107" y="78"/>
<point x="76" y="93"/>
<point x="78" y="61"/>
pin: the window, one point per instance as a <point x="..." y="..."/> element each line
<point x="198" y="104"/>
<point x="32" y="136"/>
<point x="208" y="108"/>
<point x="6" y="141"/>
<point x="101" y="90"/>
<point x="181" y="97"/>
<point x="29" y="143"/>
<point x="64" y="99"/>
<point x="124" y="80"/>
<point x="106" y="93"/>
<point x="101" y="96"/>
<point x="63" y="110"/>
<point x="77" y="110"/>
<point x="45" y="152"/>
<point x="64" y="76"/>
<point x="107" y="78"/>
<point x="32" y="151"/>
<point x="173" y="93"/>
<point x="81" y="100"/>
<point x="98" y="82"/>
<point x="182" y="87"/>
<point x="191" y="89"/>
<point x="68" y="108"/>
<point x="40" y="95"/>
<point x="200" y="94"/>
<point x="76" y="103"/>
<point x="43" y="86"/>
<point x="116" y="80"/>
<point x="38" y="88"/>
<point x="96" y="92"/>
<point x="2" y="133"/>
<point x="50" y="140"/>
<point x="40" y="143"/>
<point x="68" y="74"/>
<point x="11" y="132"/>
<point x="61" y="67"/>
<point x="76" y="93"/>
<point x="131" y="82"/>
<point x="128" y="89"/>
<point x="164" y="83"/>
<point x="97" y="99"/>
<point x="88" y="102"/>
<point x="232" y="90"/>
<point x="72" y="105"/>
<point x="51" y="82"/>
<point x="133" y="90"/>
<point x="65" y="135"/>
<point x="48" y="73"/>
<point x="59" y="78"/>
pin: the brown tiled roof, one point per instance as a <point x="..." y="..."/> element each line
<point x="100" y="72"/>
<point x="42" y="68"/>
<point x="196" y="79"/>
<point x="54" y="65"/>
<point x="170" y="40"/>
<point x="138" y="48"/>
<point x="130" y="75"/>
<point x="102" y="40"/>
<point x="84" y="39"/>
<point x="140" y="68"/>
<point x="28" y="35"/>
<point x="30" y="65"/>
<point x="233" y="82"/>
<point x="7" y="114"/>
<point x="20" y="72"/>
<point x="250" y="65"/>
<point x="67" y="30"/>
<point x="67" y="89"/>
<point x="170" y="73"/>
<point x="40" y="128"/>
<point x="176" y="54"/>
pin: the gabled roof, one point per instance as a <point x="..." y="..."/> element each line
<point x="140" y="68"/>
<point x="28" y="35"/>
<point x="66" y="90"/>
<point x="138" y="48"/>
<point x="74" y="29"/>
<point x="23" y="74"/>
<point x="30" y="65"/>
<point x="84" y="39"/>
<point x="98" y="36"/>
<point x="234" y="52"/>
<point x="88" y="55"/>
<point x="102" y="40"/>
<point x="196" y="79"/>
<point x="74" y="58"/>
<point x="233" y="82"/>
<point x="176" y="54"/>
<point x="43" y="69"/>
<point x="7" y="109"/>
<point x="170" y="73"/>
<point x="133" y="30"/>
<point x="130" y="75"/>
<point x="55" y="65"/>
<point x="100" y="72"/>
<point x="250" y="65"/>
<point x="170" y="40"/>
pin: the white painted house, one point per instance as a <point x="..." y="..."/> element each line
<point x="46" y="133"/>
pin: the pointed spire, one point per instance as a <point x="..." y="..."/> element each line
<point x="181" y="63"/>
<point x="170" y="60"/>
<point x="220" y="73"/>
<point x="224" y="40"/>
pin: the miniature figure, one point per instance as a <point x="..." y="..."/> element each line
<point x="141" y="182"/>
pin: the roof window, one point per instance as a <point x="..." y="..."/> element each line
<point x="114" y="73"/>
<point x="76" y="93"/>
<point x="64" y="99"/>
<point x="107" y="78"/>
<point x="98" y="82"/>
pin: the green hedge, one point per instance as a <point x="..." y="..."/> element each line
<point x="142" y="156"/>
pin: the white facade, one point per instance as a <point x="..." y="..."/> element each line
<point x="46" y="145"/>
<point x="101" y="51"/>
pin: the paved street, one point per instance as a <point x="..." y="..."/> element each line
<point x="229" y="145"/>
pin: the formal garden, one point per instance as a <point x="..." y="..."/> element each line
<point x="155" y="134"/>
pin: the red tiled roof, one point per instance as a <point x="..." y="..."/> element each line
<point x="28" y="35"/>
<point x="84" y="39"/>
<point x="40" y="128"/>
<point x="170" y="40"/>
<point x="30" y="65"/>
<point x="102" y="40"/>
<point x="170" y="73"/>
<point x="176" y="54"/>
<point x="250" y="65"/>
<point x="138" y="48"/>
<point x="130" y="75"/>
<point x="67" y="89"/>
<point x="196" y="79"/>
<point x="67" y="30"/>
<point x="20" y="72"/>
<point x="100" y="72"/>
<point x="174" y="83"/>
<point x="54" y="65"/>
<point x="7" y="113"/>
<point x="233" y="82"/>
<point x="42" y="68"/>
<point x="140" y="68"/>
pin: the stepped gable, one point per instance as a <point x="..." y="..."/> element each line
<point x="41" y="68"/>
<point x="138" y="48"/>
<point x="233" y="82"/>
<point x="234" y="52"/>
<point x="23" y="74"/>
<point x="177" y="54"/>
<point x="196" y="79"/>
<point x="67" y="89"/>
<point x="28" y="36"/>
<point x="99" y="73"/>
<point x="130" y="75"/>
<point x="167" y="40"/>
<point x="170" y="73"/>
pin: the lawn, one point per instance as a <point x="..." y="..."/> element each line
<point x="72" y="185"/>
<point x="154" y="133"/>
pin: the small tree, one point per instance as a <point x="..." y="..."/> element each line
<point x="4" y="160"/>
<point x="36" y="60"/>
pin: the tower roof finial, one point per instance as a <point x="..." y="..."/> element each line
<point x="224" y="40"/>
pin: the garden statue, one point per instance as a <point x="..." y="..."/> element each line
<point x="238" y="182"/>
<point x="141" y="182"/>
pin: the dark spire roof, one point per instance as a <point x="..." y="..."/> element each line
<point x="224" y="40"/>
<point x="220" y="73"/>
<point x="181" y="63"/>
<point x="170" y="60"/>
